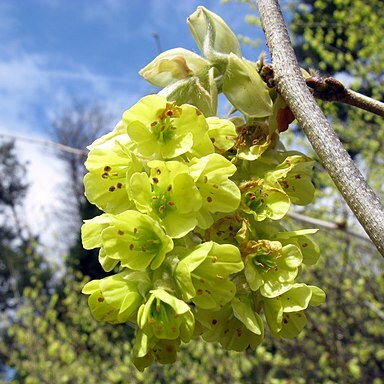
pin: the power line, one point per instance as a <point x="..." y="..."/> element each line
<point x="61" y="147"/>
<point x="295" y="216"/>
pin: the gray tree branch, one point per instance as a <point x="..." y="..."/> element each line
<point x="330" y="89"/>
<point x="290" y="84"/>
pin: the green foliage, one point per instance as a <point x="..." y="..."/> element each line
<point x="54" y="340"/>
<point x="345" y="38"/>
<point x="340" y="36"/>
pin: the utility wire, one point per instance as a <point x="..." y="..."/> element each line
<point x="295" y="216"/>
<point x="61" y="147"/>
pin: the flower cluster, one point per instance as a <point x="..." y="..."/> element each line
<point x="192" y="207"/>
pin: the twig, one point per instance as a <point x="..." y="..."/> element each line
<point x="330" y="89"/>
<point x="290" y="84"/>
<point x="377" y="311"/>
<point x="328" y="225"/>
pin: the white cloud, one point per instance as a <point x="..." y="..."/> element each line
<point x="30" y="89"/>
<point x="21" y="84"/>
<point x="42" y="204"/>
<point x="32" y="95"/>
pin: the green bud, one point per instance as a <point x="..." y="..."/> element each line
<point x="212" y="35"/>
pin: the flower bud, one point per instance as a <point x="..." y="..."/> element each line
<point x="174" y="65"/>
<point x="212" y="34"/>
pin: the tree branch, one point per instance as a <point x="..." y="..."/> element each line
<point x="328" y="225"/>
<point x="330" y="89"/>
<point x="290" y="84"/>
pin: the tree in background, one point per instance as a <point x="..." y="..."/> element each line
<point x="56" y="340"/>
<point x="344" y="39"/>
<point x="76" y="127"/>
<point x="20" y="262"/>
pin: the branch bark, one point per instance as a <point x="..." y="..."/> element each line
<point x="330" y="89"/>
<point x="290" y="84"/>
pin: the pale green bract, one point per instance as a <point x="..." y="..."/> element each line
<point x="192" y="231"/>
<point x="245" y="89"/>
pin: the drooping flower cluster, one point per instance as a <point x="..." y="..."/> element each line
<point x="192" y="204"/>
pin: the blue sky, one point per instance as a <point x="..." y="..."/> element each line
<point x="54" y="50"/>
